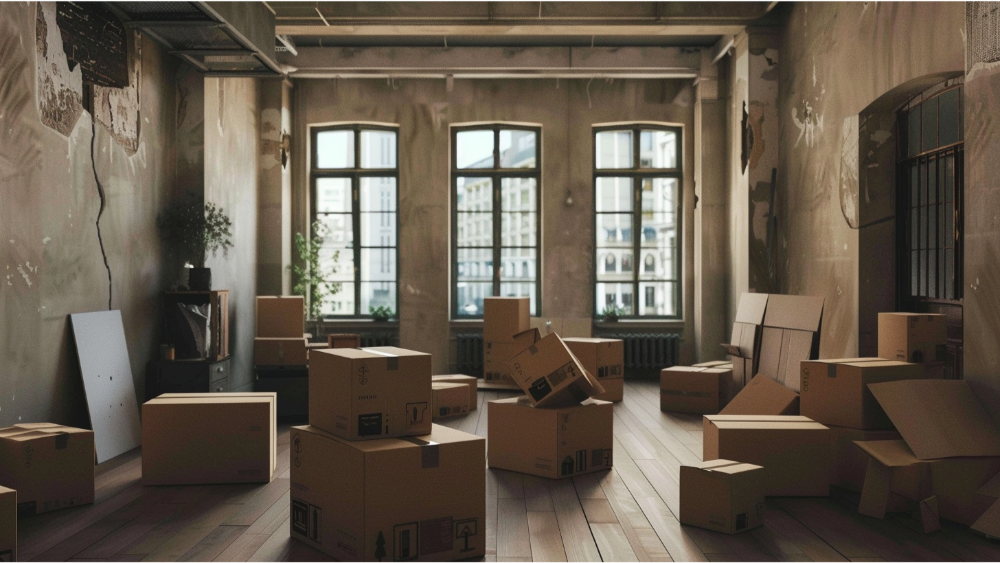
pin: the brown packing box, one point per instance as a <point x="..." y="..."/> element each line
<point x="920" y="338"/>
<point x="49" y="465"/>
<point x="790" y="335"/>
<point x="764" y="396"/>
<point x="835" y="392"/>
<point x="495" y="356"/>
<point x="280" y="317"/>
<point x="368" y="393"/>
<point x="549" y="373"/>
<point x="279" y="351"/>
<point x="468" y="380"/>
<point x="209" y="438"/>
<point x="693" y="389"/>
<point x="449" y="399"/>
<point x="722" y="495"/>
<point x="550" y="442"/>
<point x="614" y="390"/>
<point x="503" y="317"/>
<point x="742" y="374"/>
<point x="343" y="341"/>
<point x="602" y="357"/>
<point x="793" y="450"/>
<point x="389" y="500"/>
<point x="8" y="524"/>
<point x="849" y="462"/>
<point x="744" y="343"/>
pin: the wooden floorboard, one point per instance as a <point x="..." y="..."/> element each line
<point x="628" y="513"/>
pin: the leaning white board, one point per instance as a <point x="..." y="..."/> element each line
<point x="107" y="382"/>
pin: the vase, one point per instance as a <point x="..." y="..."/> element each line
<point x="200" y="279"/>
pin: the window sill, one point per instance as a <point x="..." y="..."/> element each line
<point x="341" y="324"/>
<point x="671" y="325"/>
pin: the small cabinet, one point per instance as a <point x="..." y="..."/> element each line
<point x="193" y="376"/>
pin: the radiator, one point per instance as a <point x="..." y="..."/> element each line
<point x="469" y="354"/>
<point x="645" y="351"/>
<point x="379" y="338"/>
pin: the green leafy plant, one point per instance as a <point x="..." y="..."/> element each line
<point x="308" y="278"/>
<point x="196" y="229"/>
<point x="381" y="313"/>
<point x="612" y="312"/>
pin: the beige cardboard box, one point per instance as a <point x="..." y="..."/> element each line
<point x="279" y="351"/>
<point x="722" y="495"/>
<point x="835" y="392"/>
<point x="49" y="465"/>
<point x="764" y="396"/>
<point x="744" y="342"/>
<point x="550" y="442"/>
<point x="919" y="338"/>
<point x="449" y="399"/>
<point x="791" y="334"/>
<point x="280" y="316"/>
<point x="368" y="393"/>
<point x="614" y="390"/>
<point x="503" y="317"/>
<point x="496" y="372"/>
<point x="407" y="499"/>
<point x="602" y="357"/>
<point x="8" y="524"/>
<point x="793" y="450"/>
<point x="202" y="439"/>
<point x="343" y="341"/>
<point x="549" y="373"/>
<point x="471" y="382"/>
<point x="693" y="389"/>
<point x="849" y="462"/>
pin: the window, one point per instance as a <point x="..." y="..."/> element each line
<point x="637" y="189"/>
<point x="355" y="178"/>
<point x="496" y="196"/>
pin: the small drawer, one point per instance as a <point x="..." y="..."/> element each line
<point x="220" y="386"/>
<point x="218" y="371"/>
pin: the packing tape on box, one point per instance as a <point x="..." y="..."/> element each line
<point x="430" y="452"/>
<point x="392" y="360"/>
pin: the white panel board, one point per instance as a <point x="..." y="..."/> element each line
<point x="107" y="382"/>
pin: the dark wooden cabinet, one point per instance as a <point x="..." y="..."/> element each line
<point x="178" y="333"/>
<point x="192" y="376"/>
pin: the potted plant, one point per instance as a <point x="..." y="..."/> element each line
<point x="381" y="313"/>
<point x="307" y="274"/>
<point x="197" y="229"/>
<point x="611" y="313"/>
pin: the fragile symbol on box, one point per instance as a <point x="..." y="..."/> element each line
<point x="464" y="529"/>
<point x="306" y="520"/>
<point x="363" y="374"/>
<point x="415" y="413"/>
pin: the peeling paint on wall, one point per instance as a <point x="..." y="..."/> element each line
<point x="270" y="138"/>
<point x="60" y="90"/>
<point x="809" y="124"/>
<point x="20" y="153"/>
<point x="118" y="108"/>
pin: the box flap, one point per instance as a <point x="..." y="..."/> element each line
<point x="756" y="418"/>
<point x="736" y="468"/>
<point x="939" y="418"/>
<point x="890" y="453"/>
<point x="392" y="351"/>
<point x="799" y="312"/>
<point x="989" y="522"/>
<point x="763" y="396"/>
<point x="751" y="308"/>
<point x="731" y="350"/>
<point x="721" y="364"/>
<point x="991" y="488"/>
<point x="768" y="425"/>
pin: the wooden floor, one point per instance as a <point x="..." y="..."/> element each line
<point x="626" y="514"/>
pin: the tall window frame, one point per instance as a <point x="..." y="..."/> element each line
<point x="467" y="273"/>
<point x="641" y="176"/>
<point x="380" y="253"/>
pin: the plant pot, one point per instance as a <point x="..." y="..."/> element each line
<point x="200" y="279"/>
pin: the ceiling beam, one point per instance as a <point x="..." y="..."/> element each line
<point x="596" y="29"/>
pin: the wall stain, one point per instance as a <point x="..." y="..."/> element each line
<point x="21" y="153"/>
<point x="849" y="172"/>
<point x="60" y="90"/>
<point x="117" y="109"/>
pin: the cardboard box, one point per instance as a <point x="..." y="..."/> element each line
<point x="49" y="465"/>
<point x="764" y="396"/>
<point x="496" y="372"/>
<point x="550" y="442"/>
<point x="549" y="373"/>
<point x="723" y="364"/>
<point x="722" y="495"/>
<point x="614" y="390"/>
<point x="835" y="392"/>
<point x="279" y="351"/>
<point x="343" y="341"/>
<point x="791" y="335"/>
<point x="503" y="317"/>
<point x="744" y="342"/>
<point x="471" y="382"/>
<point x="694" y="389"/>
<point x="202" y="439"/>
<point x="793" y="450"/>
<point x="449" y="399"/>
<point x="849" y="462"/>
<point x="389" y="500"/>
<point x="602" y="357"/>
<point x="919" y="338"/>
<point x="8" y="524"/>
<point x="280" y="316"/>
<point x="370" y="393"/>
<point x="742" y="374"/>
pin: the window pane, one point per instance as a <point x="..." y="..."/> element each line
<point x="474" y="229"/>
<point x="378" y="194"/>
<point x="340" y="303"/>
<point x="521" y="290"/>
<point x="378" y="229"/>
<point x="378" y="264"/>
<point x="518" y="229"/>
<point x="378" y="294"/>
<point x="518" y="264"/>
<point x="929" y="118"/>
<point x="474" y="194"/>
<point x="474" y="149"/>
<point x="914" y="276"/>
<point x="949" y="116"/>
<point x="949" y="178"/>
<point x="657" y="299"/>
<point x="614" y="149"/>
<point x="611" y="295"/>
<point x="518" y="194"/>
<point x="614" y="194"/>
<point x="336" y="264"/>
<point x="475" y="264"/>
<point x="469" y="297"/>
<point x="949" y="280"/>
<point x="913" y="132"/>
<point x="659" y="264"/>
<point x="335" y="149"/>
<point x="657" y="149"/>
<point x="659" y="195"/>
<point x="333" y="195"/>
<point x="614" y="230"/>
<point x="614" y="264"/>
<point x="517" y="148"/>
<point x="378" y="150"/>
<point x="337" y="230"/>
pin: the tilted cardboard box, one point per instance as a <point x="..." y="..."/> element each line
<point x="764" y="396"/>
<point x="549" y="373"/>
<point x="604" y="358"/>
<point x="791" y="335"/>
<point x="496" y="372"/>
<point x="835" y="392"/>
<point x="550" y="442"/>
<point x="8" y="524"/>
<point x="369" y="393"/>
<point x="920" y="338"/>
<point x="49" y="465"/>
<point x="722" y="495"/>
<point x="793" y="450"/>
<point x="279" y="351"/>
<point x="420" y="498"/>
<point x="449" y="399"/>
<point x="468" y="380"/>
<point x="210" y="438"/>
<point x="503" y="317"/>
<point x="280" y="316"/>
<point x="693" y="389"/>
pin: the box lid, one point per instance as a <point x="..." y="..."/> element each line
<point x="451" y="376"/>
<point x="890" y="453"/>
<point x="36" y="430"/>
<point x="762" y="396"/>
<point x="439" y="435"/>
<point x="939" y="418"/>
<point x="447" y="385"/>
<point x="768" y="425"/>
<point x="751" y="308"/>
<point x="727" y="466"/>
<point x="756" y="418"/>
<point x="799" y="312"/>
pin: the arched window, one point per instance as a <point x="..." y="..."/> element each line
<point x="649" y="264"/>
<point x="610" y="263"/>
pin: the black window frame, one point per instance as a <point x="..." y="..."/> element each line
<point x="497" y="174"/>
<point x="637" y="174"/>
<point x="354" y="174"/>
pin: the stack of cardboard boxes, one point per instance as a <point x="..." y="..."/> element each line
<point x="454" y="395"/>
<point x="371" y="477"/>
<point x="506" y="331"/>
<point x="281" y="352"/>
